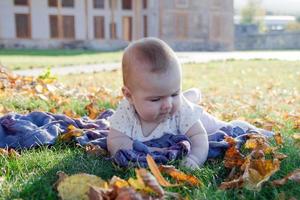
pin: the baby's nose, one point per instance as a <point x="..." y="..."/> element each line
<point x="167" y="104"/>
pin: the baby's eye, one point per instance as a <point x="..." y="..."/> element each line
<point x="155" y="99"/>
<point x="174" y="95"/>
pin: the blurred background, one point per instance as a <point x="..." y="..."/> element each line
<point x="187" y="25"/>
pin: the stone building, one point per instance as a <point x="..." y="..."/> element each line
<point x="111" y="24"/>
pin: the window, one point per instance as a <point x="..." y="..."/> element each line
<point x="145" y="25"/>
<point x="145" y="4"/>
<point x="113" y="30"/>
<point x="23" y="26"/>
<point x="68" y="27"/>
<point x="127" y="4"/>
<point x="127" y="28"/>
<point x="99" y="4"/>
<point x="21" y="2"/>
<point x="67" y="3"/>
<point x="182" y="3"/>
<point x="53" y="26"/>
<point x="52" y="3"/>
<point x="181" y="26"/>
<point x="99" y="27"/>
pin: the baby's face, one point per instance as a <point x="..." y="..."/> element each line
<point x="157" y="96"/>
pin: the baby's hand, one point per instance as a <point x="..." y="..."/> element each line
<point x="189" y="162"/>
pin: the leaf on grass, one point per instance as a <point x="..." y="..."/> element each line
<point x="118" y="182"/>
<point x="9" y="153"/>
<point x="258" y="172"/>
<point x="155" y="171"/>
<point x="70" y="113"/>
<point x="128" y="193"/>
<point x="236" y="183"/>
<point x="278" y="138"/>
<point x="98" y="193"/>
<point x="72" y="131"/>
<point x="93" y="110"/>
<point x="258" y="142"/>
<point x="280" y="156"/>
<point x="296" y="136"/>
<point x="77" y="186"/>
<point x="293" y="176"/>
<point x="150" y="181"/>
<point x="95" y="150"/>
<point x="233" y="157"/>
<point x="179" y="175"/>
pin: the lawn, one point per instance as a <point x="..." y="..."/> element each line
<point x="16" y="59"/>
<point x="256" y="90"/>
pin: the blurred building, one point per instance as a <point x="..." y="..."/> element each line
<point x="271" y="22"/>
<point x="111" y="24"/>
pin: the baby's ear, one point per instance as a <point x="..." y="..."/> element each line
<point x="127" y="94"/>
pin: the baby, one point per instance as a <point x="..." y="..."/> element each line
<point x="154" y="103"/>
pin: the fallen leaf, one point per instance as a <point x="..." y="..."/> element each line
<point x="180" y="176"/>
<point x="99" y="193"/>
<point x="236" y="183"/>
<point x="258" y="172"/>
<point x="77" y="186"/>
<point x="233" y="157"/>
<point x="150" y="181"/>
<point x="258" y="142"/>
<point x="118" y="182"/>
<point x="293" y="176"/>
<point x="9" y="152"/>
<point x="278" y="138"/>
<point x="95" y="150"/>
<point x="128" y="193"/>
<point x="93" y="110"/>
<point x="155" y="171"/>
<point x="72" y="131"/>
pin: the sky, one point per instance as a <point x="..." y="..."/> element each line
<point x="289" y="7"/>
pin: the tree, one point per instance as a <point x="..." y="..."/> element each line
<point x="253" y="13"/>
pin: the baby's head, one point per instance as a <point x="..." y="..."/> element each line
<point x="152" y="79"/>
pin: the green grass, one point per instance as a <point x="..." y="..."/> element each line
<point x="248" y="89"/>
<point x="15" y="59"/>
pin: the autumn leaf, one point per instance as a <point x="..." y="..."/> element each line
<point x="179" y="175"/>
<point x="98" y="193"/>
<point x="258" y="142"/>
<point x="278" y="138"/>
<point x="96" y="150"/>
<point x="259" y="171"/>
<point x="149" y="181"/>
<point x="9" y="152"/>
<point x="236" y="183"/>
<point x="233" y="157"/>
<point x="93" y="110"/>
<point x="77" y="186"/>
<point x="293" y="176"/>
<point x="155" y="171"/>
<point x="296" y="138"/>
<point x="72" y="131"/>
<point x="118" y="182"/>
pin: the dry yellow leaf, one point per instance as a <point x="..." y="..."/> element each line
<point x="155" y="171"/>
<point x="77" y="186"/>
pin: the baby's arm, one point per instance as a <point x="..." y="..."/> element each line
<point x="199" y="146"/>
<point x="117" y="140"/>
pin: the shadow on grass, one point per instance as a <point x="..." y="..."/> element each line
<point x="49" y="52"/>
<point x="40" y="185"/>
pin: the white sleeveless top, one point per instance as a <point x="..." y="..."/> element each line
<point x="125" y="120"/>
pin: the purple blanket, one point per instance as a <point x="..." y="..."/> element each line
<point x="41" y="128"/>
